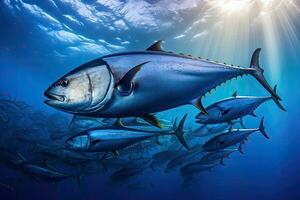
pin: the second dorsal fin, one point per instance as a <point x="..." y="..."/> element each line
<point x="235" y="94"/>
<point x="155" y="47"/>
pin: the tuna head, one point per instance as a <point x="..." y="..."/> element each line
<point x="86" y="88"/>
<point x="78" y="143"/>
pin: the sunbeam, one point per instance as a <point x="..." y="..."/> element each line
<point x="235" y="27"/>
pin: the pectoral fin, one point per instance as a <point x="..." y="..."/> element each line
<point x="95" y="142"/>
<point x="126" y="85"/>
<point x="225" y="111"/>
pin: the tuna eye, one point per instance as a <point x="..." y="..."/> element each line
<point x="64" y="82"/>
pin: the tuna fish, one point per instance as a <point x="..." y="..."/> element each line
<point x="137" y="83"/>
<point x="84" y="123"/>
<point x="195" y="168"/>
<point x="117" y="138"/>
<point x="183" y="159"/>
<point x="217" y="156"/>
<point x="68" y="156"/>
<point x="233" y="108"/>
<point x="162" y="157"/>
<point x="206" y="130"/>
<point x="43" y="172"/>
<point x="126" y="173"/>
<point x="232" y="137"/>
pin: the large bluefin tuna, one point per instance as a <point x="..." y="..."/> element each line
<point x="142" y="82"/>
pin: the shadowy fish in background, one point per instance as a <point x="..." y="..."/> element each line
<point x="44" y="173"/>
<point x="182" y="159"/>
<point x="233" y="108"/>
<point x="123" y="84"/>
<point x="163" y="157"/>
<point x="126" y="173"/>
<point x="69" y="156"/>
<point x="195" y="168"/>
<point x="114" y="162"/>
<point x="217" y="156"/>
<point x="232" y="137"/>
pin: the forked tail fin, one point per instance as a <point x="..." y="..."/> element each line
<point x="179" y="132"/>
<point x="258" y="73"/>
<point x="262" y="128"/>
<point x="276" y="100"/>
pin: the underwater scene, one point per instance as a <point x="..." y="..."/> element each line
<point x="149" y="99"/>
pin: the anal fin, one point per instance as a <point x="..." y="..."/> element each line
<point x="198" y="104"/>
<point x="151" y="119"/>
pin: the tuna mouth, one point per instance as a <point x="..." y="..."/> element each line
<point x="54" y="97"/>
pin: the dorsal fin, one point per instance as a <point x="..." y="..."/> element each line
<point x="155" y="47"/>
<point x="235" y="94"/>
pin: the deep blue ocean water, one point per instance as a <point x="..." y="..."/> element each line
<point x="42" y="40"/>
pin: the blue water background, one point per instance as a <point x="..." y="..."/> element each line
<point x="269" y="169"/>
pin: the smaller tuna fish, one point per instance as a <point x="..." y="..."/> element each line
<point x="207" y="130"/>
<point x="126" y="173"/>
<point x="84" y="123"/>
<point x="195" y="168"/>
<point x="217" y="156"/>
<point x="44" y="173"/>
<point x="118" y="138"/>
<point x="232" y="137"/>
<point x="114" y="163"/>
<point x="183" y="159"/>
<point x="233" y="108"/>
<point x="69" y="156"/>
<point x="162" y="157"/>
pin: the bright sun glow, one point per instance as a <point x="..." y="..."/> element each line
<point x="243" y="25"/>
<point x="231" y="6"/>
